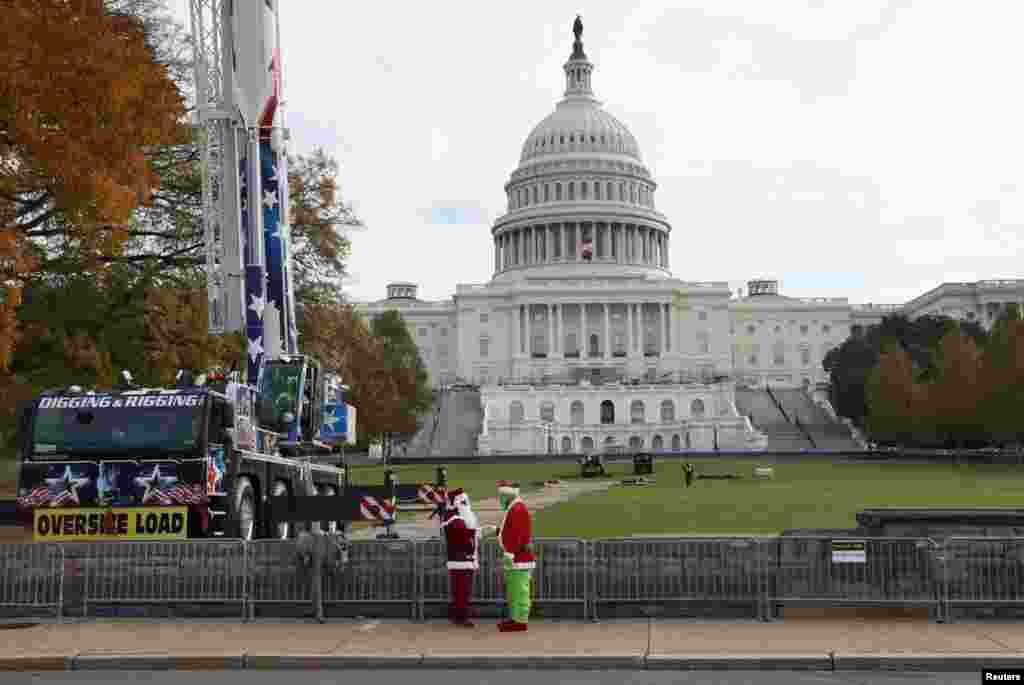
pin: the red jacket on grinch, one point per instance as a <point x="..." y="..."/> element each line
<point x="517" y="531"/>
<point x="461" y="542"/>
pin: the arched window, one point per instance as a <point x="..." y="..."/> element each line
<point x="576" y="413"/>
<point x="636" y="411"/>
<point x="597" y="190"/>
<point x="609" y="195"/>
<point x="584" y="188"/>
<point x="558" y="191"/>
<point x="515" y="412"/>
<point x="594" y="350"/>
<point x="703" y="343"/>
<point x="547" y="412"/>
<point x="535" y="192"/>
<point x="668" y="411"/>
<point x="657" y="443"/>
<point x="607" y="412"/>
<point x="572" y="190"/>
<point x="547" y="192"/>
<point x="587" y="444"/>
<point x="622" y="192"/>
<point x="697" y="409"/>
<point x="636" y="443"/>
<point x="805" y="356"/>
<point x="566" y="445"/>
<point x="676" y="442"/>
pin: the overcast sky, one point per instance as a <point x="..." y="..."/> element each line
<point x="869" y="149"/>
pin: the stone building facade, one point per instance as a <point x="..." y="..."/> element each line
<point x="584" y="340"/>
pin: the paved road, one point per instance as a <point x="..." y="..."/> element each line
<point x="431" y="677"/>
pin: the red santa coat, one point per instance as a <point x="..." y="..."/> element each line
<point x="462" y="542"/>
<point x="517" y="531"/>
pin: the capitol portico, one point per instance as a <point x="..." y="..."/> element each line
<point x="583" y="339"/>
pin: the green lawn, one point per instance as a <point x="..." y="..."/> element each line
<point x="479" y="480"/>
<point x="801" y="495"/>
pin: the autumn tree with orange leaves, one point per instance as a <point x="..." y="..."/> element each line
<point x="81" y="100"/>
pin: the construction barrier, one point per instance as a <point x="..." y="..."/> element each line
<point x="377" y="572"/>
<point x="662" y="571"/>
<point x="138" y="573"/>
<point x="982" y="573"/>
<point x="879" y="572"/>
<point x="276" y="575"/>
<point x="32" y="579"/>
<point x="653" y="574"/>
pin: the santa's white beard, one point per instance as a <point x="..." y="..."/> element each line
<point x="469" y="517"/>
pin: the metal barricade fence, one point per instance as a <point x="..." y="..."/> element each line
<point x="560" y="577"/>
<point x="377" y="572"/>
<point x="433" y="574"/>
<point x="982" y="572"/>
<point x="899" y="572"/>
<point x="659" y="570"/>
<point x="32" y="577"/>
<point x="193" y="572"/>
<point x="275" y="575"/>
<point x="895" y="572"/>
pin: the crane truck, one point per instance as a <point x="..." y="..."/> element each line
<point x="210" y="455"/>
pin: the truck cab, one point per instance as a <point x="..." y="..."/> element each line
<point x="137" y="464"/>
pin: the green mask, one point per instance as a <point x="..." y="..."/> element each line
<point x="506" y="501"/>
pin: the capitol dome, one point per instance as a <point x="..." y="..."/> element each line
<point x="579" y="125"/>
<point x="581" y="201"/>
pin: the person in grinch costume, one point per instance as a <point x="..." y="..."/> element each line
<point x="462" y="538"/>
<point x="516" y="539"/>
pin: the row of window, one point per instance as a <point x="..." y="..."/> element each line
<point x="779" y="355"/>
<point x="751" y="329"/>
<point x="622" y="192"/>
<point x="544" y="143"/>
<point x="635" y="443"/>
<point x="577" y="412"/>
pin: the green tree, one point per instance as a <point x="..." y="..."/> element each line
<point x="412" y="394"/>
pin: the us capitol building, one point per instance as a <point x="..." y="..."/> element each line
<point x="583" y="340"/>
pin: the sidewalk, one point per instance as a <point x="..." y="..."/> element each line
<point x="636" y="645"/>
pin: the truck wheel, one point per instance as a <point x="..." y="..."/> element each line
<point x="329" y="527"/>
<point x="282" y="530"/>
<point x="243" y="503"/>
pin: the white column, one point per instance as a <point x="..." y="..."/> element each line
<point x="630" y="342"/>
<point x="519" y="331"/>
<point x="561" y="328"/>
<point x="607" y="333"/>
<point x="584" y="333"/>
<point x="529" y="332"/>
<point x="551" y="330"/>
<point x="668" y="327"/>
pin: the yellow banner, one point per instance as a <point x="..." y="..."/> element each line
<point x="134" y="523"/>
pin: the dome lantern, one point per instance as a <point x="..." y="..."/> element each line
<point x="578" y="68"/>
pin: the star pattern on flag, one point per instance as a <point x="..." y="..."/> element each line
<point x="68" y="486"/>
<point x="255" y="348"/>
<point x="275" y="177"/>
<point x="257" y="303"/>
<point x="154" y="484"/>
<point x="270" y="199"/>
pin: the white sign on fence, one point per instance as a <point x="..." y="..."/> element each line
<point x="849" y="552"/>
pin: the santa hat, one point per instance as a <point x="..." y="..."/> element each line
<point x="457" y="497"/>
<point x="509" y="488"/>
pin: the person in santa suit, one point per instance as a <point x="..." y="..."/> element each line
<point x="462" y="535"/>
<point x="516" y="538"/>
